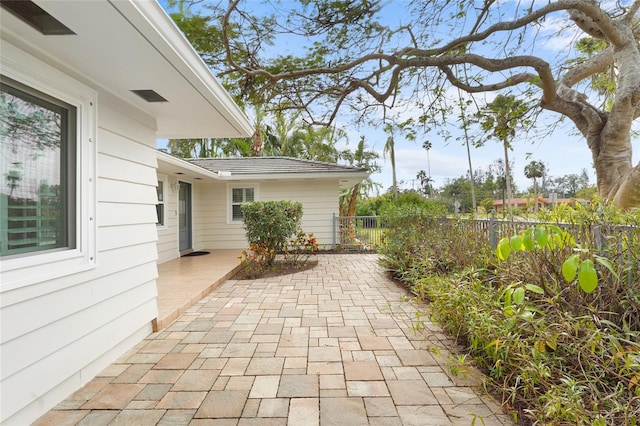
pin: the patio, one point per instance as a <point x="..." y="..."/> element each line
<point x="338" y="344"/>
<point x="183" y="282"/>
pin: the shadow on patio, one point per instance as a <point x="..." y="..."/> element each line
<point x="184" y="281"/>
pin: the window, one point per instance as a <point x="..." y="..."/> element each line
<point x="37" y="169"/>
<point x="47" y="172"/>
<point x="239" y="196"/>
<point x="160" y="205"/>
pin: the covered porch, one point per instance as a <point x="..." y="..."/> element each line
<point x="182" y="282"/>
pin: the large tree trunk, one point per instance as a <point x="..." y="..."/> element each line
<point x="608" y="133"/>
<point x="628" y="194"/>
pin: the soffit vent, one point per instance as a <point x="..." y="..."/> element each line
<point x="150" y="95"/>
<point x="35" y="16"/>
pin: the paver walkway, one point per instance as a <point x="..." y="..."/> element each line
<point x="334" y="345"/>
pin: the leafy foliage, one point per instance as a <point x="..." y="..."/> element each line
<point x="365" y="158"/>
<point x="269" y="225"/>
<point x="355" y="56"/>
<point x="27" y="123"/>
<point x="300" y="249"/>
<point x="555" y="323"/>
<point x="254" y="261"/>
<point x="421" y="235"/>
<point x="295" y="256"/>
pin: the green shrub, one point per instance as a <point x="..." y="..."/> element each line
<point x="417" y="236"/>
<point x="553" y="319"/>
<point x="594" y="269"/>
<point x="270" y="224"/>
<point x="549" y="366"/>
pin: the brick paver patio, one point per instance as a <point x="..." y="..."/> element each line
<point x="335" y="345"/>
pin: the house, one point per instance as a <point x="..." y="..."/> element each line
<point x="526" y="204"/>
<point x="201" y="198"/>
<point x="86" y="89"/>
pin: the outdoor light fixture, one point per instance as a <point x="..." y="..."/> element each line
<point x="36" y="16"/>
<point x="150" y="95"/>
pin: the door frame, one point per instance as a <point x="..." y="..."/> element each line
<point x="188" y="216"/>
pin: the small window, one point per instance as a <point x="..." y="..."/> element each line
<point x="160" y="204"/>
<point x="239" y="196"/>
<point x="37" y="170"/>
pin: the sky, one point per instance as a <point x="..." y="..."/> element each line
<point x="563" y="151"/>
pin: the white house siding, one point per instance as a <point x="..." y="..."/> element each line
<point x="59" y="333"/>
<point x="319" y="200"/>
<point x="211" y="229"/>
<point x="168" y="233"/>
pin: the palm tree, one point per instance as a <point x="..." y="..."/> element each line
<point x="501" y="117"/>
<point x="361" y="157"/>
<point x="389" y="148"/>
<point x="465" y="127"/>
<point x="428" y="145"/>
<point x="535" y="170"/>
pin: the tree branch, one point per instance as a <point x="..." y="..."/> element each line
<point x="596" y="64"/>
<point x="631" y="13"/>
<point x="509" y="82"/>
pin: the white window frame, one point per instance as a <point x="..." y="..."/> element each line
<point x="165" y="184"/>
<point x="239" y="185"/>
<point x="30" y="268"/>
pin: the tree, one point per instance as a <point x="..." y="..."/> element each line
<point x="501" y="117"/>
<point x="458" y="189"/>
<point x="389" y="148"/>
<point x="427" y="145"/>
<point x="465" y="127"/>
<point x="569" y="185"/>
<point x="535" y="170"/>
<point x="425" y="183"/>
<point x="354" y="57"/>
<point x="361" y="157"/>
<point x="281" y="136"/>
<point x="319" y="143"/>
<point x="210" y="148"/>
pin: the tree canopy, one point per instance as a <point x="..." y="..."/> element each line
<point x="323" y="56"/>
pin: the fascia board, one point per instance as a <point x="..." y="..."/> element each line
<point x="179" y="163"/>
<point x="295" y="176"/>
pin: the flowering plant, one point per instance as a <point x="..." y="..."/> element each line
<point x="301" y="248"/>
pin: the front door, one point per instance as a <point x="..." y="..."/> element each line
<point x="184" y="217"/>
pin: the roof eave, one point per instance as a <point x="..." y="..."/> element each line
<point x="289" y="176"/>
<point x="154" y="23"/>
<point x="186" y="169"/>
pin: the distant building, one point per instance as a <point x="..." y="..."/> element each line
<point x="527" y="204"/>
